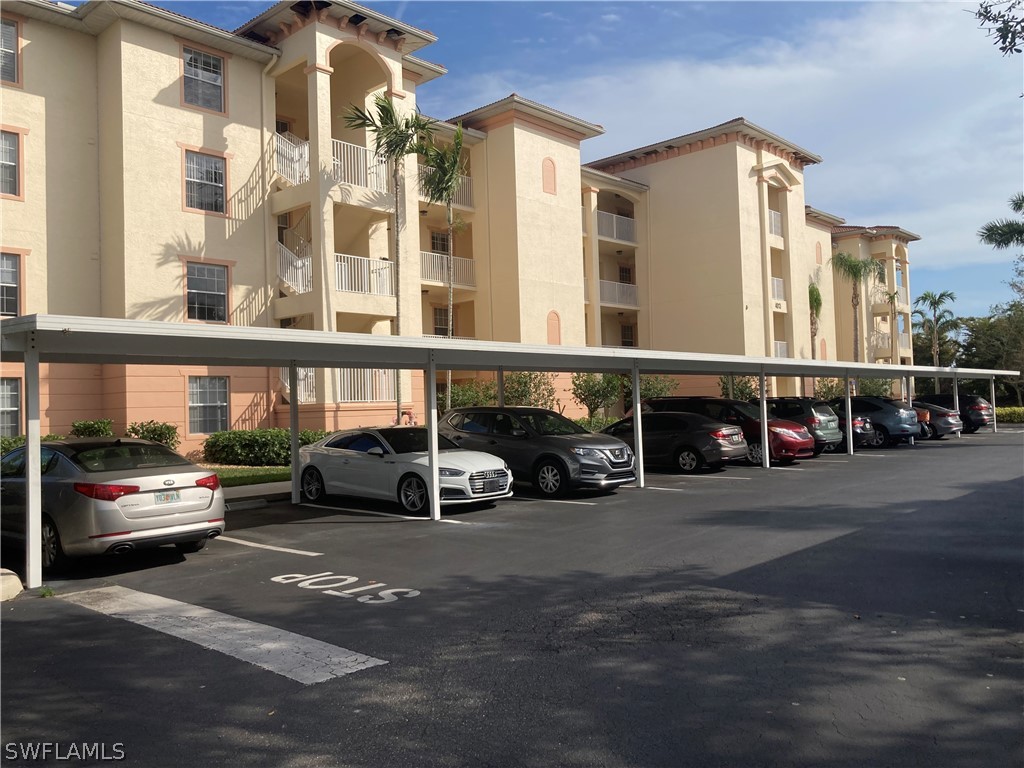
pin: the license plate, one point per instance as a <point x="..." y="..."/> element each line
<point x="493" y="486"/>
<point x="734" y="438"/>
<point x="167" y="497"/>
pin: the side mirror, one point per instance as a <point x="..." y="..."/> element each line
<point x="518" y="433"/>
<point x="375" y="451"/>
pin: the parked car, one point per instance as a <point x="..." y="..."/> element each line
<point x="542" y="446"/>
<point x="685" y="441"/>
<point x="787" y="440"/>
<point x="893" y="420"/>
<point x="975" y="411"/>
<point x="940" y="421"/>
<point x="863" y="431"/>
<point x="112" y="495"/>
<point x="390" y="463"/>
<point x="821" y="421"/>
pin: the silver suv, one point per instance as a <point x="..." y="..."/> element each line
<point x="542" y="446"/>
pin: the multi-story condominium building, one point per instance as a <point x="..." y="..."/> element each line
<point x="157" y="168"/>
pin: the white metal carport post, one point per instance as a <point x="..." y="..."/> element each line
<point x="434" y="491"/>
<point x="765" y="447"/>
<point x="849" y="416"/>
<point x="956" y="397"/>
<point x="34" y="491"/>
<point x="910" y="401"/>
<point x="638" y="430"/>
<point x="293" y="424"/>
<point x="992" y="395"/>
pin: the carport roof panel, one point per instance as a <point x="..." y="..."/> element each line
<point x="71" y="339"/>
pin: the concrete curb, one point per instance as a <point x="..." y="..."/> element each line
<point x="10" y="584"/>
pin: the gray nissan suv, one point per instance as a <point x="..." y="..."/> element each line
<point x="542" y="446"/>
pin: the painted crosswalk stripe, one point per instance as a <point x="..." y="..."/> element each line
<point x="299" y="658"/>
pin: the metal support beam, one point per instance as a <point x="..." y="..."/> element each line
<point x="766" y="459"/>
<point x="34" y="490"/>
<point x="849" y="416"/>
<point x="956" y="400"/>
<point x="501" y="387"/>
<point x="293" y="424"/>
<point x="992" y="399"/>
<point x="910" y="401"/>
<point x="434" y="490"/>
<point x="638" y="430"/>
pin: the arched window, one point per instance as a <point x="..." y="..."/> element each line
<point x="824" y="351"/>
<point x="550" y="179"/>
<point x="554" y="328"/>
<point x="817" y="252"/>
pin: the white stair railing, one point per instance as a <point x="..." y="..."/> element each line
<point x="357" y="165"/>
<point x="306" y="385"/>
<point x="293" y="270"/>
<point x="357" y="274"/>
<point x="365" y="385"/>
<point x="292" y="157"/>
<point x="434" y="267"/>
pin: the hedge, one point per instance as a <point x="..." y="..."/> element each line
<point x="255" y="447"/>
<point x="1010" y="415"/>
<point x="10" y="443"/>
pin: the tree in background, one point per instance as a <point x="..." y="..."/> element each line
<point x="743" y="387"/>
<point x="857" y="271"/>
<point x="595" y="391"/>
<point x="1009" y="233"/>
<point x="473" y="392"/>
<point x="996" y="341"/>
<point x="815" y="304"/>
<point x="874" y="387"/>
<point x="1004" y="21"/>
<point x="530" y="388"/>
<point x="940" y="324"/>
<point x="651" y="385"/>
<point x="829" y="388"/>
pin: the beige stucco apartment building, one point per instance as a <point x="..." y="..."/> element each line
<point x="157" y="168"/>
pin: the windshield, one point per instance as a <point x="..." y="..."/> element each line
<point x="747" y="410"/>
<point x="115" y="457"/>
<point x="551" y="424"/>
<point x="405" y="440"/>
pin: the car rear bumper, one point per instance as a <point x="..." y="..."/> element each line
<point x="133" y="540"/>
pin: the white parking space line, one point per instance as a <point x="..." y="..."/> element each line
<point x="658" y="488"/>
<point x="340" y="510"/>
<point x="872" y="455"/>
<point x="299" y="658"/>
<point x="714" y="477"/>
<point x="563" y="501"/>
<point x="790" y="469"/>
<point x="831" y="461"/>
<point x="233" y="540"/>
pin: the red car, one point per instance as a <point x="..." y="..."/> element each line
<point x="787" y="440"/>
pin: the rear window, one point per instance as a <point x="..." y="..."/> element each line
<point x="114" y="457"/>
<point x="822" y="410"/>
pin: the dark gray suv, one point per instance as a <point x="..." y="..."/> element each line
<point x="542" y="446"/>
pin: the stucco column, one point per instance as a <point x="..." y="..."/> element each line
<point x="592" y="262"/>
<point x="766" y="257"/>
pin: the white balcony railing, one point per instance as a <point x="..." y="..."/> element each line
<point x="291" y="157"/>
<point x="881" y="342"/>
<point x="463" y="195"/>
<point x="365" y="385"/>
<point x="616" y="227"/>
<point x="357" y="165"/>
<point x="434" y="268"/>
<point x="619" y="293"/>
<point x="306" y="384"/>
<point x="778" y="289"/>
<point x="445" y="336"/>
<point x="903" y="297"/>
<point x="781" y="349"/>
<point x="357" y="274"/>
<point x="774" y="223"/>
<point x="904" y="341"/>
<point x="293" y="270"/>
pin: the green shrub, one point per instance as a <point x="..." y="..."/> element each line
<point x="1010" y="415"/>
<point x="829" y="389"/>
<point x="255" y="447"/>
<point x="595" y="423"/>
<point x="875" y="387"/>
<point x="474" y="392"/>
<point x="157" y="431"/>
<point x="743" y="387"/>
<point x="10" y="443"/>
<point x="95" y="428"/>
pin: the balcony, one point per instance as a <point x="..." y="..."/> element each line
<point x="463" y="195"/>
<point x="356" y="274"/>
<point x="621" y="294"/>
<point x="360" y="166"/>
<point x="445" y="336"/>
<point x="774" y="223"/>
<point x="904" y="341"/>
<point x="291" y="157"/>
<point x="778" y="289"/>
<point x="434" y="269"/>
<point x="903" y="296"/>
<point x="365" y="385"/>
<point x="616" y="227"/>
<point x="881" y="344"/>
<point x="780" y="349"/>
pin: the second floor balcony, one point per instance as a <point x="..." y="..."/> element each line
<point x="434" y="269"/>
<point x="620" y="294"/>
<point x="357" y="274"/>
<point x="352" y="164"/>
<point x="463" y="195"/>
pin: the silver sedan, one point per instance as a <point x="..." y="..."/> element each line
<point x="113" y="495"/>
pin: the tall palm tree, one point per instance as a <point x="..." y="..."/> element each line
<point x="1005" y="233"/>
<point x="441" y="185"/>
<point x="815" y="303"/>
<point x="939" y="324"/>
<point x="394" y="137"/>
<point x="857" y="271"/>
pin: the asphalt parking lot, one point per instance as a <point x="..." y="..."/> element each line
<point x="844" y="611"/>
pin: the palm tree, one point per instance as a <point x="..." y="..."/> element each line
<point x="814" y="300"/>
<point x="440" y="184"/>
<point x="394" y="137"/>
<point x="1005" y="233"/>
<point x="939" y="324"/>
<point x="857" y="271"/>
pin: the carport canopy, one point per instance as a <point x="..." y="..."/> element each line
<point x="35" y="339"/>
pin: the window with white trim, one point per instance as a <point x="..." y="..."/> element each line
<point x="628" y="336"/>
<point x="9" y="51"/>
<point x="9" y="158"/>
<point x="207" y="404"/>
<point x="204" y="182"/>
<point x="440" y="321"/>
<point x="10" y="407"/>
<point x="10" y="284"/>
<point x="439" y="243"/>
<point x="204" y="79"/>
<point x="207" y="292"/>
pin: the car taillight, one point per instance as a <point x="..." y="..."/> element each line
<point x="813" y="421"/>
<point x="720" y="434"/>
<point x="105" y="492"/>
<point x="976" y="408"/>
<point x="211" y="481"/>
<point x="857" y="422"/>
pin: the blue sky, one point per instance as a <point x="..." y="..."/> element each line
<point x="917" y="116"/>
